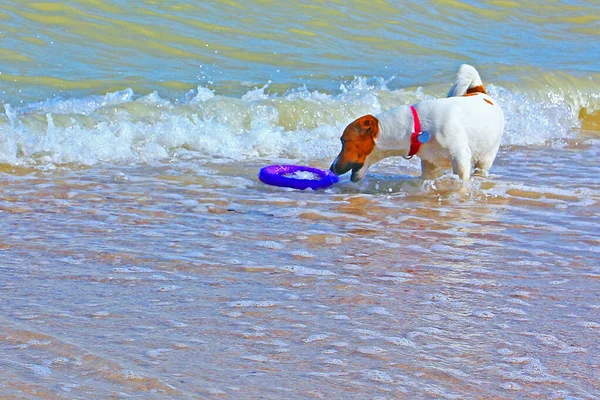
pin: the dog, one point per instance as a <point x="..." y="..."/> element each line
<point x="462" y="132"/>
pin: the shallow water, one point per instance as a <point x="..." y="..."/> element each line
<point x="140" y="256"/>
<point x="195" y="280"/>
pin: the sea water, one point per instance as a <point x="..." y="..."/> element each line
<point x="140" y="256"/>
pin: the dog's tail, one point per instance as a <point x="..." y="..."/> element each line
<point x="467" y="81"/>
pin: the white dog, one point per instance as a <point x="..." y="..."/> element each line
<point x="462" y="131"/>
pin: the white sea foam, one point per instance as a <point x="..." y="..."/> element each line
<point x="123" y="127"/>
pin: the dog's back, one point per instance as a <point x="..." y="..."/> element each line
<point x="467" y="125"/>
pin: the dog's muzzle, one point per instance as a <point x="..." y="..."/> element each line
<point x="342" y="169"/>
<point x="338" y="169"/>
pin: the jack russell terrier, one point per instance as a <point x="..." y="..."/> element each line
<point x="462" y="131"/>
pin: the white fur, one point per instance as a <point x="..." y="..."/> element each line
<point x="467" y="78"/>
<point x="465" y="131"/>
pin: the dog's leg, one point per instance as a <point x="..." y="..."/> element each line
<point x="461" y="164"/>
<point x="480" y="171"/>
<point x="430" y="170"/>
<point x="481" y="168"/>
<point x="484" y="164"/>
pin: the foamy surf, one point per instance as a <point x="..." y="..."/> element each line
<point x="123" y="127"/>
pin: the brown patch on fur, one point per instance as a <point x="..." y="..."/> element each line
<point x="358" y="140"/>
<point x="488" y="101"/>
<point x="470" y="94"/>
<point x="476" y="89"/>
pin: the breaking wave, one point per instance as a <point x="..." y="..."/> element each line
<point x="124" y="127"/>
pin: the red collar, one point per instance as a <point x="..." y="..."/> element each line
<point x="418" y="137"/>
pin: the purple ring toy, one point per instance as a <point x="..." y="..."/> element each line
<point x="297" y="177"/>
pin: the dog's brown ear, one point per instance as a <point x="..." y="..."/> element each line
<point x="369" y="125"/>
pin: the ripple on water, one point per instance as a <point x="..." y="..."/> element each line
<point x="60" y="361"/>
<point x="314" y="338"/>
<point x="101" y="314"/>
<point x="169" y="288"/>
<point x="270" y="244"/>
<point x="40" y="370"/>
<point x="157" y="352"/>
<point x="511" y="310"/>
<point x="129" y="270"/>
<point x="519" y="301"/>
<point x="483" y="314"/>
<point x="366" y="334"/>
<point x="158" y="278"/>
<point x="131" y="375"/>
<point x="215" y="391"/>
<point x="299" y="270"/>
<point x="371" y="350"/>
<point x="511" y="386"/>
<point x="532" y="371"/>
<point x="222" y="233"/>
<point x="256" y="357"/>
<point x="302" y="254"/>
<point x="377" y="376"/>
<point x="252" y="304"/>
<point x="400" y="341"/>
<point x="553" y="341"/>
<point x="342" y="317"/>
<point x="379" y="311"/>
<point x="334" y="361"/>
<point x="590" y="325"/>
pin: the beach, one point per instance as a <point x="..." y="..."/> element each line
<point x="141" y="257"/>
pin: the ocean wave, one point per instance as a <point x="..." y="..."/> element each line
<point x="123" y="127"/>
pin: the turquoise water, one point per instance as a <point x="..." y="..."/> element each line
<point x="141" y="257"/>
<point x="90" y="46"/>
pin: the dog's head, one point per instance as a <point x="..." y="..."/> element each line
<point x="358" y="141"/>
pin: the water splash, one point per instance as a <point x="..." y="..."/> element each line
<point x="303" y="125"/>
